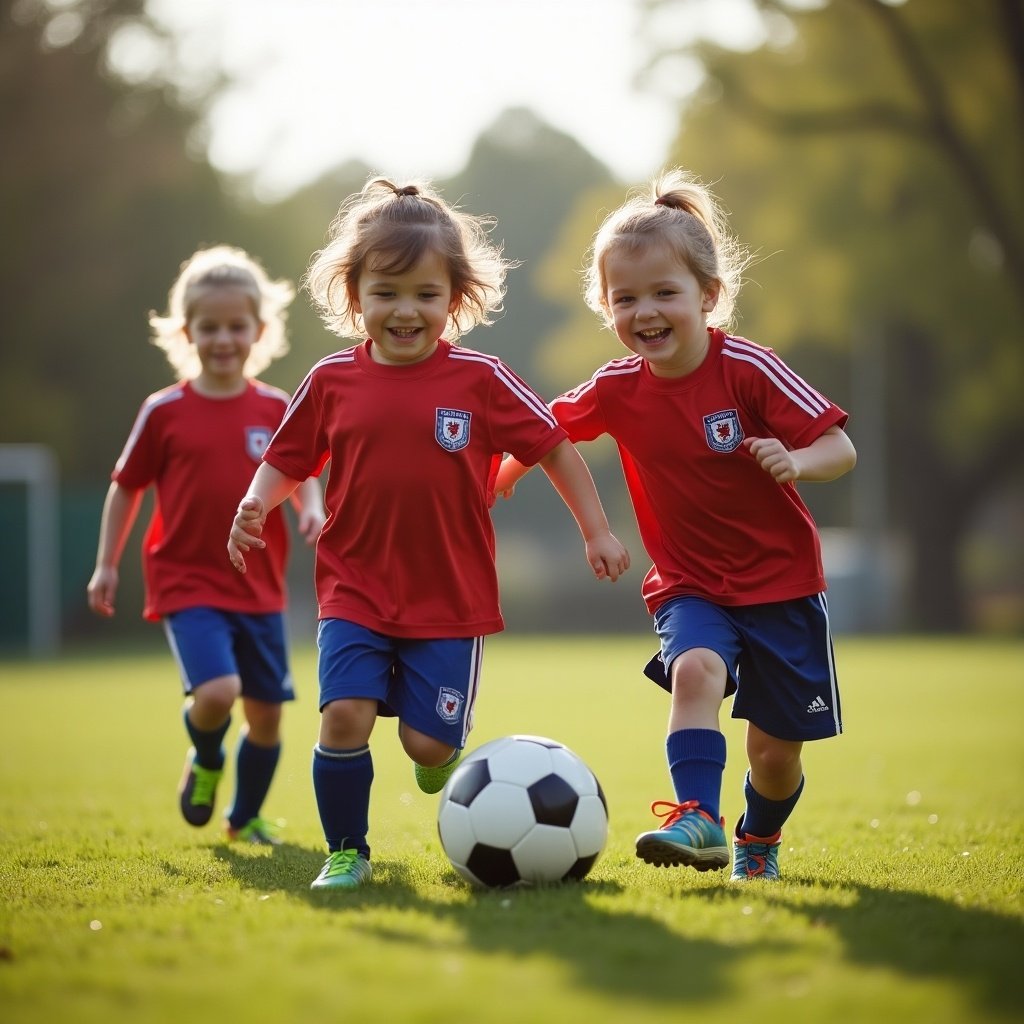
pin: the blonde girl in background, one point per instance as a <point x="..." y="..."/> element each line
<point x="196" y="444"/>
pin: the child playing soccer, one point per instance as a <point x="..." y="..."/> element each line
<point x="197" y="444"/>
<point x="414" y="427"/>
<point x="713" y="432"/>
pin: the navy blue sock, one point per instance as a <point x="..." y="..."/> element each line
<point x="764" y="817"/>
<point x="696" y="760"/>
<point x="209" y="745"/>
<point x="341" y="782"/>
<point x="254" y="773"/>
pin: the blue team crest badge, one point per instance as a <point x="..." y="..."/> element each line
<point x="256" y="441"/>
<point x="451" y="428"/>
<point x="449" y="704"/>
<point x="723" y="430"/>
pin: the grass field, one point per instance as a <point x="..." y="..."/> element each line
<point x="901" y="898"/>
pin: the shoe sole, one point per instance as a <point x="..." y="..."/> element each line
<point x="663" y="854"/>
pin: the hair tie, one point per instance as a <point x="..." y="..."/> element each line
<point x="663" y="201"/>
<point x="407" y="190"/>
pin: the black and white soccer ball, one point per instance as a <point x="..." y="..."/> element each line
<point x="522" y="810"/>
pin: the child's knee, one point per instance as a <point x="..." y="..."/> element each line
<point x="423" y="749"/>
<point x="698" y="675"/>
<point x="345" y="724"/>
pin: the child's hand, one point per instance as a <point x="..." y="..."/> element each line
<point x="102" y="590"/>
<point x="506" y="493"/>
<point x="774" y="458"/>
<point x="310" y="523"/>
<point x="607" y="556"/>
<point x="245" y="530"/>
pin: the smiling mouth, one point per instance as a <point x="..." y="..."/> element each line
<point x="653" y="335"/>
<point x="404" y="333"/>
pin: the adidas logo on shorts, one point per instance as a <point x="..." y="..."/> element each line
<point x="816" y="705"/>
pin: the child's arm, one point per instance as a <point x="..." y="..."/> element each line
<point x="570" y="476"/>
<point x="510" y="472"/>
<point x="826" y="458"/>
<point x="120" y="509"/>
<point x="308" y="502"/>
<point x="268" y="489"/>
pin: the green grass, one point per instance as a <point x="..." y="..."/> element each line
<point x="901" y="898"/>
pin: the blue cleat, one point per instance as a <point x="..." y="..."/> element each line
<point x="690" y="838"/>
<point x="755" y="857"/>
<point x="343" y="869"/>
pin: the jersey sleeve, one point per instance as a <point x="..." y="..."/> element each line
<point x="299" y="446"/>
<point x="139" y="462"/>
<point x="520" y="421"/>
<point x="786" y="406"/>
<point x="579" y="412"/>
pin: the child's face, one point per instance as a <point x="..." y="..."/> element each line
<point x="223" y="326"/>
<point x="405" y="314"/>
<point x="659" y="309"/>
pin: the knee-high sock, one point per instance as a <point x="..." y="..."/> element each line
<point x="696" y="760"/>
<point x="764" y="817"/>
<point x="341" y="783"/>
<point x="208" y="743"/>
<point x="254" y="773"/>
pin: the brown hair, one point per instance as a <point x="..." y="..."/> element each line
<point x="396" y="226"/>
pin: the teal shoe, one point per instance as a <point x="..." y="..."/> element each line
<point x="690" y="838"/>
<point x="343" y="869"/>
<point x="432" y="780"/>
<point x="198" y="790"/>
<point x="258" y="831"/>
<point x="755" y="857"/>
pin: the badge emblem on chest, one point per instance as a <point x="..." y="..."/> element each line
<point x="451" y="428"/>
<point x="256" y="441"/>
<point x="723" y="430"/>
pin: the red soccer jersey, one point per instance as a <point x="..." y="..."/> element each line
<point x="408" y="548"/>
<point x="714" y="523"/>
<point x="201" y="453"/>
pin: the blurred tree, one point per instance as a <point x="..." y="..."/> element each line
<point x="875" y="150"/>
<point x="103" y="203"/>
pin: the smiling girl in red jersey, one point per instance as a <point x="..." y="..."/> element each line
<point x="414" y="427"/>
<point x="713" y="433"/>
<point x="196" y="444"/>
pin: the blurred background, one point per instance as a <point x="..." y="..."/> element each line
<point x="869" y="152"/>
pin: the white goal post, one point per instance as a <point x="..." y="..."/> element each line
<point x="35" y="466"/>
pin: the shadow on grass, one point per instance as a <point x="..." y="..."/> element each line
<point x="617" y="951"/>
<point x="917" y="935"/>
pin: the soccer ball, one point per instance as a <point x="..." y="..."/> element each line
<point x="521" y="810"/>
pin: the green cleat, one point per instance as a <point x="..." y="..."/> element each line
<point x="432" y="780"/>
<point x="343" y="869"/>
<point x="755" y="857"/>
<point x="690" y="838"/>
<point x="258" y="831"/>
<point x="197" y="790"/>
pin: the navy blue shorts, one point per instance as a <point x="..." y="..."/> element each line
<point x="431" y="685"/>
<point x="778" y="656"/>
<point x="208" y="643"/>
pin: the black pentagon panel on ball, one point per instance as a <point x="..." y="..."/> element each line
<point x="580" y="869"/>
<point x="492" y="866"/>
<point x="554" y="801"/>
<point x="600" y="793"/>
<point x="467" y="782"/>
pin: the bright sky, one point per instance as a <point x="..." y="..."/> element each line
<point x="408" y="85"/>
